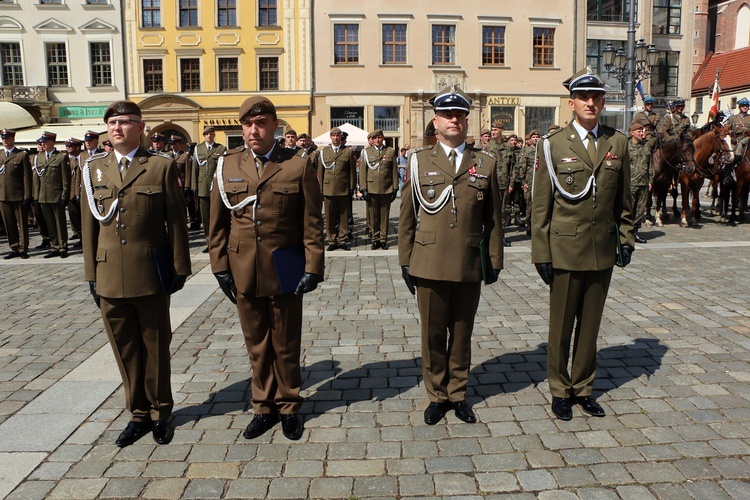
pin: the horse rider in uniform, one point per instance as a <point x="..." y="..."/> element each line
<point x="205" y="157"/>
<point x="641" y="176"/>
<point x="647" y="117"/>
<point x="450" y="234"/>
<point x="73" y="147"/>
<point x="135" y="255"/>
<point x="739" y="127"/>
<point x="338" y="177"/>
<point x="675" y="126"/>
<point x="15" y="194"/>
<point x="52" y="179"/>
<point x="378" y="181"/>
<point x="266" y="202"/>
<point x="580" y="219"/>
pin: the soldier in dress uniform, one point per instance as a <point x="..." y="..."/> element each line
<point x="453" y="192"/>
<point x="73" y="148"/>
<point x="36" y="213"/>
<point x="581" y="215"/>
<point x="107" y="145"/>
<point x="338" y="176"/>
<point x="675" y="123"/>
<point x="641" y="176"/>
<point x="205" y="157"/>
<point x="265" y="203"/>
<point x="184" y="168"/>
<point x="158" y="143"/>
<point x="135" y="254"/>
<point x="52" y="180"/>
<point x="15" y="194"/>
<point x="739" y="126"/>
<point x="378" y="181"/>
<point x="647" y="117"/>
<point x="90" y="145"/>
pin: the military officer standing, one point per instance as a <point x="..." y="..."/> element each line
<point x="52" y="179"/>
<point x="266" y="204"/>
<point x="205" y="157"/>
<point x="527" y="157"/>
<point x="581" y="215"/>
<point x="158" y="143"/>
<point x="641" y="176"/>
<point x="73" y="148"/>
<point x="338" y="176"/>
<point x="15" y="194"/>
<point x="674" y="124"/>
<point x="739" y="126"/>
<point x="135" y="253"/>
<point x="647" y="118"/>
<point x="90" y="145"/>
<point x="378" y="181"/>
<point x="453" y="192"/>
<point x="36" y="208"/>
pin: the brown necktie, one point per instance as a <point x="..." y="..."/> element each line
<point x="452" y="158"/>
<point x="124" y="164"/>
<point x="260" y="164"/>
<point x="591" y="147"/>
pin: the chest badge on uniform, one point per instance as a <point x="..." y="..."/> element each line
<point x="472" y="178"/>
<point x="431" y="192"/>
<point x="569" y="181"/>
<point x="98" y="175"/>
<point x="100" y="207"/>
<point x="480" y="196"/>
<point x="609" y="163"/>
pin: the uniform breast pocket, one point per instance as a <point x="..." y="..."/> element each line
<point x="148" y="199"/>
<point x="103" y="198"/>
<point x="284" y="197"/>
<point x="432" y="185"/>
<point x="612" y="171"/>
<point x="572" y="178"/>
<point x="477" y="192"/>
<point x="236" y="192"/>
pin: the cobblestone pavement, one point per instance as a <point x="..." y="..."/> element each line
<point x="674" y="378"/>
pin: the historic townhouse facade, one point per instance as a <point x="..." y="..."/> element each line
<point x="192" y="63"/>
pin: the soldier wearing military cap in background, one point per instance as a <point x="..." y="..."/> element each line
<point x="73" y="147"/>
<point x="338" y="177"/>
<point x="158" y="143"/>
<point x="36" y="216"/>
<point x="107" y="145"/>
<point x="290" y="141"/>
<point x="266" y="202"/>
<point x="135" y="254"/>
<point x="739" y="126"/>
<point x="647" y="117"/>
<point x="484" y="138"/>
<point x="184" y="167"/>
<point x="205" y="157"/>
<point x="674" y="124"/>
<point x="52" y="187"/>
<point x="453" y="192"/>
<point x="527" y="156"/>
<point x="581" y="216"/>
<point x="15" y="194"/>
<point x="378" y="181"/>
<point x="641" y="175"/>
<point x="504" y="155"/>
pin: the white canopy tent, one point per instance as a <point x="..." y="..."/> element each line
<point x="27" y="138"/>
<point x="15" y="117"/>
<point x="357" y="136"/>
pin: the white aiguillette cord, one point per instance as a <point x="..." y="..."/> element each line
<point x="430" y="208"/>
<point x="223" y="194"/>
<point x="90" y="195"/>
<point x="591" y="184"/>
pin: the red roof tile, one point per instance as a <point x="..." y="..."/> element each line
<point x="734" y="74"/>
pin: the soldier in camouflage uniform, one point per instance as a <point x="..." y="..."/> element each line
<point x="527" y="157"/>
<point x="674" y="124"/>
<point x="641" y="175"/>
<point x="647" y="117"/>
<point x="503" y="154"/>
<point x="739" y="126"/>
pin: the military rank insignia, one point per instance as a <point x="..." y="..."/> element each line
<point x="98" y="175"/>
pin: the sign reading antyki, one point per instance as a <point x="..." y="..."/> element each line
<point x="503" y="101"/>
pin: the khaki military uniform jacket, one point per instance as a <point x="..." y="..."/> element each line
<point x="85" y="155"/>
<point x="580" y="235"/>
<point x="287" y="214"/>
<point x="52" y="177"/>
<point x="671" y="127"/>
<point x="739" y="126"/>
<point x="337" y="171"/>
<point x="445" y="246"/>
<point x="15" y="175"/>
<point x="119" y="254"/>
<point x="75" y="175"/>
<point x="641" y="170"/>
<point x="183" y="167"/>
<point x="204" y="166"/>
<point x="649" y="120"/>
<point x="381" y="177"/>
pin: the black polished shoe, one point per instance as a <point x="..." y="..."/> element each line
<point x="590" y="406"/>
<point x="562" y="409"/>
<point x="375" y="245"/>
<point x="12" y="255"/>
<point x="45" y="244"/>
<point x="162" y="432"/>
<point x="435" y="412"/>
<point x="640" y="239"/>
<point x="205" y="250"/>
<point x="506" y="243"/>
<point x="345" y="246"/>
<point x="332" y="247"/>
<point x="259" y="425"/>
<point x="63" y="254"/>
<point x="464" y="412"/>
<point x="132" y="433"/>
<point x="24" y="255"/>
<point x="52" y="253"/>
<point x="384" y="246"/>
<point x="292" y="426"/>
<point x="77" y="244"/>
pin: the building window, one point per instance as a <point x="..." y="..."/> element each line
<point x="101" y="64"/>
<point x="97" y="2"/>
<point x="153" y="75"/>
<point x="594" y="50"/>
<point x="57" y="65"/>
<point x="50" y="2"/>
<point x="699" y="105"/>
<point x="394" y="44"/>
<point x="346" y="43"/>
<point x="664" y="81"/>
<point x="227" y="13"/>
<point x="387" y="118"/>
<point x="190" y="69"/>
<point x="267" y="13"/>
<point x="188" y="13"/>
<point x="151" y="13"/>
<point x="443" y="44"/>
<point x="229" y="75"/>
<point x="493" y="46"/>
<point x="355" y="116"/>
<point x="611" y="11"/>
<point x="269" y="73"/>
<point x="544" y="47"/>
<point x="667" y="14"/>
<point x="10" y="59"/>
<point x="539" y="118"/>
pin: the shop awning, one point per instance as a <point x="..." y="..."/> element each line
<point x="15" y="117"/>
<point x="27" y="138"/>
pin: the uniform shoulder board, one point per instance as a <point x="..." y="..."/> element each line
<point x="547" y="136"/>
<point x="232" y="151"/>
<point x="303" y="153"/>
<point x="97" y="156"/>
<point x="160" y="153"/>
<point x="488" y="153"/>
<point x="610" y="130"/>
<point x="422" y="148"/>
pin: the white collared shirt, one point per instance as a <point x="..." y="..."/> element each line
<point x="129" y="156"/>
<point x="583" y="133"/>
<point x="459" y="152"/>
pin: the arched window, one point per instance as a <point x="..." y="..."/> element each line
<point x="742" y="31"/>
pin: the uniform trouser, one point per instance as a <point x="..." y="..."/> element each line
<point x="576" y="299"/>
<point x="191" y="209"/>
<point x="446" y="315"/>
<point x="640" y="198"/>
<point x="16" y="222"/>
<point x="41" y="223"/>
<point x="57" y="225"/>
<point x="379" y="208"/>
<point x="139" y="331"/>
<point x="527" y="198"/>
<point x="204" y="205"/>
<point x="337" y="210"/>
<point x="74" y="212"/>
<point x="272" y="327"/>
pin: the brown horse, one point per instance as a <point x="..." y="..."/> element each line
<point x="712" y="151"/>
<point x="668" y="159"/>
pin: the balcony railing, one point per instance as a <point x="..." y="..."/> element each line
<point x="357" y="122"/>
<point x="23" y="94"/>
<point x="387" y="124"/>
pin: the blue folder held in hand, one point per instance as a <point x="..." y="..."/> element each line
<point x="290" y="267"/>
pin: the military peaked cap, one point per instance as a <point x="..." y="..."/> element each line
<point x="451" y="98"/>
<point x="158" y="137"/>
<point x="648" y="100"/>
<point x="7" y="133"/>
<point x="678" y="101"/>
<point x="47" y="136"/>
<point x="175" y="138"/>
<point x="72" y="142"/>
<point x="743" y="102"/>
<point x="585" y="80"/>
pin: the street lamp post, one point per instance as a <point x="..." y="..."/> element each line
<point x="632" y="65"/>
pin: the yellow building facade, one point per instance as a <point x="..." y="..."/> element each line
<point x="191" y="66"/>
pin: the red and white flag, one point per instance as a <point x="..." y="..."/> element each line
<point x="715" y="99"/>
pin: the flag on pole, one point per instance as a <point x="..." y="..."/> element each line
<point x="639" y="88"/>
<point x="715" y="99"/>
